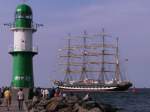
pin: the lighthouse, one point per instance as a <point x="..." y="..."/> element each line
<point x="23" y="50"/>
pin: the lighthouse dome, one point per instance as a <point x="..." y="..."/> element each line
<point x="23" y="16"/>
<point x="23" y="9"/>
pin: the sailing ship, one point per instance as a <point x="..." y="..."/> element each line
<point x="92" y="67"/>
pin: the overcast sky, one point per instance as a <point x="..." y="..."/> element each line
<point x="127" y="19"/>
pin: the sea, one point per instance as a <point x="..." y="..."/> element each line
<point x="129" y="101"/>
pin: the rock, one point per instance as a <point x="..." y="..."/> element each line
<point x="53" y="103"/>
<point x="72" y="99"/>
<point x="96" y="109"/>
<point x="65" y="109"/>
<point x="43" y="110"/>
<point x="43" y="103"/>
<point x="69" y="104"/>
<point x="81" y="109"/>
<point x="0" y="102"/>
<point x="107" y="107"/>
<point x="52" y="106"/>
<point x="35" y="100"/>
<point x="76" y="107"/>
<point x="29" y="105"/>
<point x="90" y="104"/>
<point x="62" y="104"/>
<point x="40" y="108"/>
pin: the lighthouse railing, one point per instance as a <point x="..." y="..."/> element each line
<point x="16" y="49"/>
<point x="13" y="26"/>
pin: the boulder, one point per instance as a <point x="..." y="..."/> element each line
<point x="107" y="107"/>
<point x="69" y="104"/>
<point x="53" y="103"/>
<point x="90" y="104"/>
<point x="95" y="109"/>
<point x="65" y="109"/>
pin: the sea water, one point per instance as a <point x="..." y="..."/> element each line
<point x="137" y="101"/>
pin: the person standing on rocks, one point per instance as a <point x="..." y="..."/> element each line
<point x="57" y="92"/>
<point x="43" y="93"/>
<point x="0" y="92"/>
<point x="20" y="95"/>
<point x="46" y="93"/>
<point x="7" y="96"/>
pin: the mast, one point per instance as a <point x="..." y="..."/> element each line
<point x="126" y="63"/>
<point x="68" y="75"/>
<point x="84" y="68"/>
<point x="87" y="51"/>
<point x="117" y="74"/>
<point x="102" y="74"/>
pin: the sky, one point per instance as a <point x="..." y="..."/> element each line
<point x="127" y="19"/>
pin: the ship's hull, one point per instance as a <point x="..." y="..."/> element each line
<point x="94" y="87"/>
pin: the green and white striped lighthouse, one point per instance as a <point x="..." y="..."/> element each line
<point x="23" y="50"/>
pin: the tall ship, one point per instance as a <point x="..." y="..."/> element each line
<point x="92" y="64"/>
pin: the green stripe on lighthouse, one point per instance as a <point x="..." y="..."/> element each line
<point x="22" y="70"/>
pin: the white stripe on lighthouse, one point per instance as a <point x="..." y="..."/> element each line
<point x="23" y="40"/>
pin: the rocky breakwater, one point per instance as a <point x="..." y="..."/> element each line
<point x="68" y="104"/>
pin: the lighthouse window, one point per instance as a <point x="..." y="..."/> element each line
<point x="28" y="17"/>
<point x="19" y="16"/>
<point x="23" y="41"/>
